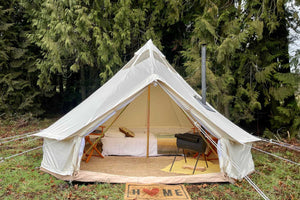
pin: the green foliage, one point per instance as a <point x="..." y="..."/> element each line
<point x="247" y="69"/>
<point x="18" y="74"/>
<point x="87" y="42"/>
<point x="53" y="54"/>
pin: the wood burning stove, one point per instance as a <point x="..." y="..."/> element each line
<point x="192" y="142"/>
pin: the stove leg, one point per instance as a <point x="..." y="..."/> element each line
<point x="184" y="155"/>
<point x="196" y="163"/>
<point x="205" y="160"/>
<point x="174" y="160"/>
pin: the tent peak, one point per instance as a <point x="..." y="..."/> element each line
<point x="151" y="47"/>
<point x="150" y="41"/>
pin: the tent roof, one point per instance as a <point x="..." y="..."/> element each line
<point x="147" y="66"/>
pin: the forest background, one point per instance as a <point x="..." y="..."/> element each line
<point x="54" y="54"/>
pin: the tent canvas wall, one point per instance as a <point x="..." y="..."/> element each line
<point x="64" y="140"/>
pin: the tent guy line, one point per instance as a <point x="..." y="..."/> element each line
<point x="221" y="148"/>
<point x="2" y="159"/>
<point x="282" y="144"/>
<point x="27" y="136"/>
<point x="287" y="160"/>
<point x="19" y="136"/>
<point x="19" y="154"/>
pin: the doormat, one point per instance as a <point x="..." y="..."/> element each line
<point x="155" y="191"/>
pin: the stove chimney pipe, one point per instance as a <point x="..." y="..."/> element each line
<point x="203" y="73"/>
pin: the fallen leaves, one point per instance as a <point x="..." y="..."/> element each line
<point x="76" y="186"/>
<point x="69" y="195"/>
<point x="282" y="184"/>
<point x="9" y="187"/>
<point x="276" y="189"/>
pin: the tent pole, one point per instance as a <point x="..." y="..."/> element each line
<point x="99" y="138"/>
<point x="148" y="119"/>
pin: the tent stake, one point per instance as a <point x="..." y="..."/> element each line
<point x="148" y="120"/>
<point x="99" y="138"/>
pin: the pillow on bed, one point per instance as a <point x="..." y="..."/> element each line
<point x="115" y="134"/>
<point x="127" y="132"/>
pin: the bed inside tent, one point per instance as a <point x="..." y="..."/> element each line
<point x="127" y="158"/>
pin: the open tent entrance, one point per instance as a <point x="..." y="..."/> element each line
<point x="127" y="156"/>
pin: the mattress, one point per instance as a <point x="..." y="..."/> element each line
<point x="161" y="141"/>
<point x="129" y="146"/>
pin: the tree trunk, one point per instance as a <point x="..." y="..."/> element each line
<point x="61" y="86"/>
<point x="226" y="110"/>
<point x="82" y="83"/>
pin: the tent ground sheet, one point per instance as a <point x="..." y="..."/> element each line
<point x="143" y="170"/>
<point x="124" y="169"/>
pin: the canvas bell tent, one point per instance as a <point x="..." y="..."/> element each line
<point x="149" y="97"/>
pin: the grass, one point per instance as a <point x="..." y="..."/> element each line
<point x="20" y="177"/>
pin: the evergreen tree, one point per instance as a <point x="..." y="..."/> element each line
<point x="75" y="46"/>
<point x="18" y="75"/>
<point x="249" y="77"/>
<point x="86" y="42"/>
